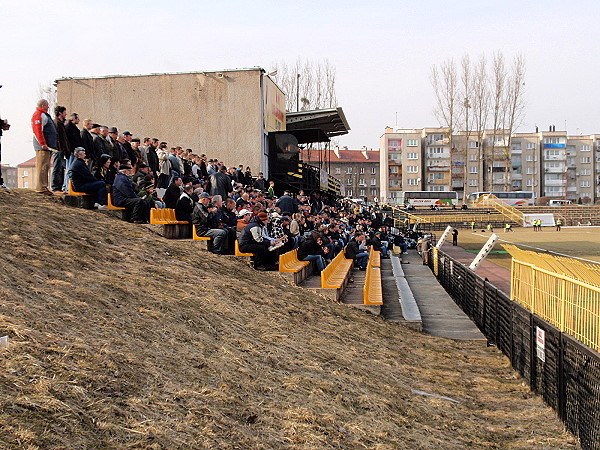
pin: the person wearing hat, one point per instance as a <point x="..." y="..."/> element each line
<point x="143" y="170"/>
<point x="211" y="168"/>
<point x="84" y="181"/>
<point x="148" y="194"/>
<point x="103" y="169"/>
<point x="244" y="218"/>
<point x="202" y="218"/>
<point x="252" y="240"/>
<point x="124" y="195"/>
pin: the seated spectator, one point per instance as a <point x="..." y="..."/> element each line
<point x="353" y="251"/>
<point x="203" y="219"/>
<point x="173" y="193"/>
<point x="124" y="195"/>
<point x="102" y="171"/>
<point x="252" y="240"/>
<point x="148" y="193"/>
<point x="143" y="170"/>
<point x="84" y="181"/>
<point x="244" y="218"/>
<point x="312" y="250"/>
<point x="185" y="204"/>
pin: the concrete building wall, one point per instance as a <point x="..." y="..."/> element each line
<point x="216" y="113"/>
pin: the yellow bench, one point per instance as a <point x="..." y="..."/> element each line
<point x="165" y="216"/>
<point x="237" y="250"/>
<point x="375" y="258"/>
<point x="334" y="275"/>
<point x="289" y="262"/>
<point x="195" y="236"/>
<point x="372" y="291"/>
<point x="110" y="203"/>
<point x="74" y="192"/>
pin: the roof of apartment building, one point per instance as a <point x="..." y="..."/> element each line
<point x="342" y="155"/>
<point x="28" y="163"/>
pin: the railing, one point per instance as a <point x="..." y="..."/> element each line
<point x="565" y="372"/>
<point x="512" y="214"/>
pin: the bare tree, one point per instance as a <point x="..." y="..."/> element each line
<point x="307" y="85"/>
<point x="498" y="115"/>
<point x="444" y="81"/>
<point x="514" y="103"/>
<point x="50" y="93"/>
<point x="481" y="109"/>
<point x="465" y="117"/>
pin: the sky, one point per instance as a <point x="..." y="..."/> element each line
<point x="382" y="51"/>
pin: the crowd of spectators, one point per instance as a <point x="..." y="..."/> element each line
<point x="226" y="204"/>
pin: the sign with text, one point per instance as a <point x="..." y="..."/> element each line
<point x="273" y="106"/>
<point x="540" y="344"/>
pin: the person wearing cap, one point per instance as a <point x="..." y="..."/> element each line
<point x="124" y="195"/>
<point x="202" y="219"/>
<point x="136" y="151"/>
<point x="312" y="249"/>
<point x="252" y="240"/>
<point x="139" y="176"/>
<point x="260" y="182"/>
<point x="84" y="181"/>
<point x="244" y="218"/>
<point x="164" y="166"/>
<point x="87" y="140"/>
<point x="148" y="194"/>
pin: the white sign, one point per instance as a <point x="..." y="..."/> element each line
<point x="444" y="237"/>
<point x="547" y="220"/>
<point x="489" y="245"/>
<point x="540" y="343"/>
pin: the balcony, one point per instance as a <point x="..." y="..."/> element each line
<point x="432" y="141"/>
<point x="438" y="155"/>
<point x="572" y="189"/>
<point x="555" y="182"/>
<point x="437" y="182"/>
<point x="555" y="170"/>
<point x="560" y="157"/>
<point x="438" y="168"/>
<point x="516" y="164"/>
<point x="554" y="145"/>
<point x="517" y="176"/>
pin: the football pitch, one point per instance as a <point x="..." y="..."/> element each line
<point x="580" y="242"/>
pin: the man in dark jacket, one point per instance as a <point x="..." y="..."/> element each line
<point x="260" y="183"/>
<point x="220" y="183"/>
<point x="153" y="157"/>
<point x="202" y="219"/>
<point x="252" y="240"/>
<point x="124" y="195"/>
<point x="312" y="250"/>
<point x="287" y="204"/>
<point x="74" y="137"/>
<point x="100" y="144"/>
<point x="84" y="181"/>
<point x="64" y="150"/>
<point x="173" y="193"/>
<point x="353" y="251"/>
<point x="185" y="204"/>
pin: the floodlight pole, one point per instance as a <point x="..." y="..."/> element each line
<point x="485" y="250"/>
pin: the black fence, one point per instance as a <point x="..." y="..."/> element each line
<point x="563" y="371"/>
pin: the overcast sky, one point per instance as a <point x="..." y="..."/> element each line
<point x="383" y="52"/>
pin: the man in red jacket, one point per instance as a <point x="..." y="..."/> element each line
<point x="45" y="140"/>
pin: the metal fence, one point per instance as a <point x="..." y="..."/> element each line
<point x="565" y="372"/>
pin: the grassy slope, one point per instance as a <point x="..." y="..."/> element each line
<point x="120" y="338"/>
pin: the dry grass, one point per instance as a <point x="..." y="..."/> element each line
<point x="121" y="339"/>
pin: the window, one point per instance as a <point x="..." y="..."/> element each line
<point x="529" y="183"/>
<point x="585" y="184"/>
<point x="530" y="171"/>
<point x="472" y="183"/>
<point x="373" y="182"/>
<point x="394" y="183"/>
<point x="412" y="156"/>
<point x="585" y="159"/>
<point x="394" y="169"/>
<point x="25" y="184"/>
<point x="530" y="145"/>
<point x="516" y="146"/>
<point x="361" y="170"/>
<point x="552" y="153"/>
<point x="473" y="144"/>
<point x="373" y="170"/>
<point x="349" y="170"/>
<point x="529" y="158"/>
<point x="412" y="169"/>
<point x="338" y="170"/>
<point x="412" y="142"/>
<point x="25" y="173"/>
<point x="412" y="182"/>
<point x="554" y="140"/>
<point x="362" y="193"/>
<point x="585" y="148"/>
<point x="586" y="194"/>
<point x="437" y="188"/>
<point x="349" y="182"/>
<point x="585" y="172"/>
<point x="395" y="156"/>
<point x="349" y="192"/>
<point x="436" y="176"/>
<point x="472" y="157"/>
<point x="361" y="182"/>
<point x="374" y="192"/>
<point x="472" y="169"/>
<point x="394" y="143"/>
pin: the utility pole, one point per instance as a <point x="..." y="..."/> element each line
<point x="298" y="92"/>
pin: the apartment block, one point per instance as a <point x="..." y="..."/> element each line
<point x="549" y="163"/>
<point x="357" y="170"/>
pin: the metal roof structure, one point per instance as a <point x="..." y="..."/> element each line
<point x="331" y="121"/>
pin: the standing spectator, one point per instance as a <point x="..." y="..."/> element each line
<point x="454" y="237"/>
<point x="74" y="137"/>
<point x="164" y="166"/>
<point x="152" y="157"/>
<point x="248" y="180"/>
<point x="137" y="153"/>
<point x="558" y="224"/>
<point x="4" y="126"/>
<point x="260" y="182"/>
<point x="185" y="205"/>
<point x="101" y="144"/>
<point x="287" y="204"/>
<point x="220" y="183"/>
<point x="64" y="150"/>
<point x="84" y="181"/>
<point x="45" y="139"/>
<point x="144" y="149"/>
<point x="124" y="195"/>
<point x="126" y="141"/>
<point x="87" y="140"/>
<point x="176" y="169"/>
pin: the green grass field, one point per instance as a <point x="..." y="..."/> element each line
<point x="581" y="242"/>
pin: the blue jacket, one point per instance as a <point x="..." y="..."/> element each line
<point x="122" y="189"/>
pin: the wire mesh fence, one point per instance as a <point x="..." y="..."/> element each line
<point x="564" y="371"/>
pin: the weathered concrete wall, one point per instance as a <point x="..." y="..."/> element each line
<point x="219" y="116"/>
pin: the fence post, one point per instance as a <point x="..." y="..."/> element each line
<point x="561" y="299"/>
<point x="562" y="388"/>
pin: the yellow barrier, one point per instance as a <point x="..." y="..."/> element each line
<point x="562" y="291"/>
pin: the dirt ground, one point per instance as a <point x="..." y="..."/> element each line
<point x="581" y="242"/>
<point x="119" y="338"/>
